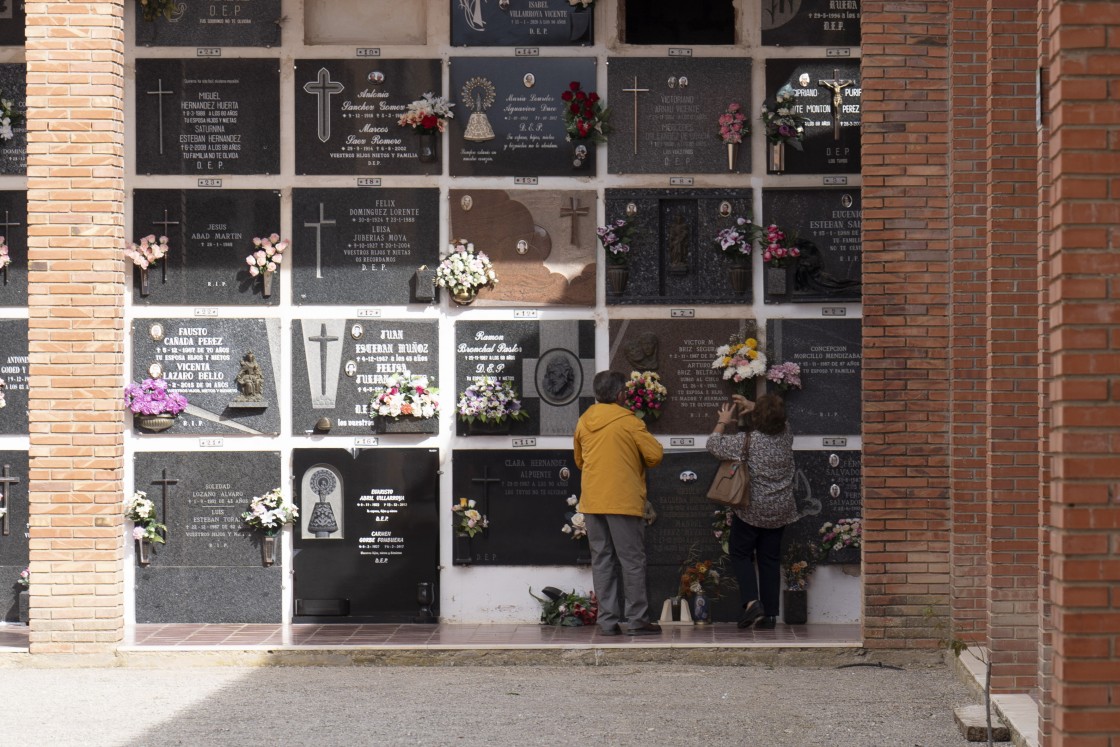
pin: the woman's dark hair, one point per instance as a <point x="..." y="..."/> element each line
<point x="607" y="385"/>
<point x="769" y="414"/>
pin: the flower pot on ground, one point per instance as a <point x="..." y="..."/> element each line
<point x="701" y="610"/>
<point x="795" y="606"/>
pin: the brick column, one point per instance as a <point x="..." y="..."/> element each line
<point x="905" y="326"/>
<point x="75" y="169"/>
<point x="1084" y="304"/>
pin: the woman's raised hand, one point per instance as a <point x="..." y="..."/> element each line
<point x="745" y="405"/>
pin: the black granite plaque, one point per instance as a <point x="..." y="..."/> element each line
<point x="674" y="22"/>
<point x="551" y="365"/>
<point x="681" y="352"/>
<point x="667" y="110"/>
<point x="336" y="363"/>
<point x="13" y="229"/>
<point x="13" y="87"/>
<point x="202" y="360"/>
<point x="207" y="117"/>
<point x="368" y="533"/>
<point x="214" y="23"/>
<point x="14" y="531"/>
<point x="12" y="23"/>
<point x="525" y="495"/>
<point x="210" y="234"/>
<point x="829" y="352"/>
<point x="535" y="23"/>
<point x="508" y="118"/>
<point x="210" y="569"/>
<point x="827" y="489"/>
<point x="362" y="246"/>
<point x="674" y="258"/>
<point x="827" y="148"/>
<point x="14" y="374"/>
<point x="347" y="114"/>
<point x="682" y="533"/>
<point x="825" y="225"/>
<point x="824" y="23"/>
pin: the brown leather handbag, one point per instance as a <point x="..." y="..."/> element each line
<point x="731" y="487"/>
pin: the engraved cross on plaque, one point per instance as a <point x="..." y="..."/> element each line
<point x="166" y="223"/>
<point x="485" y="480"/>
<point x="159" y="93"/>
<point x="6" y="481"/>
<point x="323" y="221"/>
<point x="323" y="339"/>
<point x="323" y="88"/>
<point x="635" y="90"/>
<point x="836" y="85"/>
<point x="166" y="482"/>
<point x="574" y="212"/>
<point x="5" y="225"/>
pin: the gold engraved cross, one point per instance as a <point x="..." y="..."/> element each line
<point x="635" y="90"/>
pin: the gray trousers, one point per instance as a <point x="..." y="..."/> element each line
<point x="618" y="567"/>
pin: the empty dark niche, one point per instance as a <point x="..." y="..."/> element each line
<point x="676" y="22"/>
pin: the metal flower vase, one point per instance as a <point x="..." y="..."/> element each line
<point x="732" y="157"/>
<point x="740" y="276"/>
<point x="776" y="157"/>
<point x="464" y="297"/>
<point x="583" y="554"/>
<point x="143" y="281"/>
<point x="427" y="147"/>
<point x="266" y="288"/>
<point x="143" y="552"/>
<point x="268" y="550"/>
<point x="617" y="278"/>
<point x="155" y="423"/>
<point x="463" y="554"/>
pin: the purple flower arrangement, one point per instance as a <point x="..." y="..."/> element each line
<point x="615" y="238"/>
<point x="785" y="376"/>
<point x="784" y="123"/>
<point x="152" y="397"/>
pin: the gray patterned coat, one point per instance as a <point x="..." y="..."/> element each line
<point x="772" y="471"/>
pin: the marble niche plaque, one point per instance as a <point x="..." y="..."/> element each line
<point x="827" y="225"/>
<point x="13" y="87"/>
<point x="830" y="353"/>
<point x="524" y="494"/>
<point x="13" y="229"/>
<point x="347" y="114"/>
<point x="822" y="23"/>
<point x="827" y="489"/>
<point x="542" y="243"/>
<point x="207" y="117"/>
<point x="672" y="22"/>
<point x="210" y="569"/>
<point x="508" y="118"/>
<point x="14" y="530"/>
<point x="674" y="258"/>
<point x="207" y="361"/>
<point x="12" y="23"/>
<point x="210" y="234"/>
<point x="665" y="114"/>
<point x="214" y="23"/>
<point x="336" y="363"/>
<point x="14" y="374"/>
<point x="550" y="364"/>
<point x="368" y="533"/>
<point x="828" y="94"/>
<point x="362" y="246"/>
<point x="681" y="351"/>
<point x="540" y="23"/>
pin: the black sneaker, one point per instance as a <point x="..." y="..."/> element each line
<point x="766" y="623"/>
<point x="751" y="612"/>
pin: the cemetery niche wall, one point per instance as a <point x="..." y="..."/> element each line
<point x="214" y="23"/>
<point x="368" y="533"/>
<point x="826" y="225"/>
<point x="13" y="151"/>
<point x="13" y="230"/>
<point x="826" y="23"/>
<point x="14" y="531"/>
<point x="14" y="376"/>
<point x="828" y="96"/>
<point x="829" y="352"/>
<point x="543" y="23"/>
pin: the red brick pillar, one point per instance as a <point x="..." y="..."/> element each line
<point x="905" y="325"/>
<point x="1084" y="298"/>
<point x="75" y="169"/>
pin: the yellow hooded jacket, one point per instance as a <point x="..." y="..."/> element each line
<point x="613" y="449"/>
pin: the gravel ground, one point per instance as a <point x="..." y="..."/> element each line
<point x="521" y="705"/>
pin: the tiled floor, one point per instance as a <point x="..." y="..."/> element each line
<point x="528" y="636"/>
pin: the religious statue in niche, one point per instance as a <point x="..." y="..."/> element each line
<point x="641" y="354"/>
<point x="478" y="95"/>
<point x="250" y="384"/>
<point x="810" y="274"/>
<point x="322" y="523"/>
<point x="680" y="237"/>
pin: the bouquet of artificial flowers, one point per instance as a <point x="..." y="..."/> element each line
<point x="465" y="270"/>
<point x="733" y="124"/>
<point x="737" y="241"/>
<point x="148" y="252"/>
<point x="741" y="361"/>
<point x="8" y="118"/>
<point x="269" y="252"/>
<point x="404" y="395"/>
<point x="785" y="376"/>
<point x="468" y="520"/>
<point x="777" y="247"/>
<point x="152" y="397"/>
<point x="269" y="513"/>
<point x="585" y="117"/>
<point x="721" y="527"/>
<point x="575" y="525"/>
<point x="645" y="395"/>
<point x="427" y="114"/>
<point x="844" y="533"/>
<point x="24" y="579"/>
<point x="490" y="400"/>
<point x="615" y="238"/>
<point x="142" y="513"/>
<point x="701" y="576"/>
<point x="567" y="609"/>
<point x="783" y="123"/>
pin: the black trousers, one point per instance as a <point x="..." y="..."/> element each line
<point x="747" y="545"/>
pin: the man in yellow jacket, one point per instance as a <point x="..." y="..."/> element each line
<point x="613" y="450"/>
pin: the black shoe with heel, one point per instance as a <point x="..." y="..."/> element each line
<point x="751" y="612"/>
<point x="766" y="623"/>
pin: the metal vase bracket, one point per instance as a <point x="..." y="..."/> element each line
<point x="143" y="552"/>
<point x="427" y="147"/>
<point x="732" y="156"/>
<point x="740" y="274"/>
<point x="266" y="289"/>
<point x="155" y="423"/>
<point x="143" y="281"/>
<point x="617" y="278"/>
<point x="463" y="551"/>
<point x="268" y="550"/>
<point x="776" y="157"/>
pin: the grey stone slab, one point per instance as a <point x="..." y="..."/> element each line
<point x="208" y="595"/>
<point x="13" y="86"/>
<point x="822" y="151"/>
<point x="822" y="23"/>
<point x="550" y="364"/>
<point x="827" y="488"/>
<point x="827" y="225"/>
<point x="545" y="23"/>
<point x="665" y="128"/>
<point x="12" y="23"/>
<point x="674" y="258"/>
<point x="830" y="353"/>
<point x="681" y="351"/>
<point x="346" y="114"/>
<point x="13" y="227"/>
<point x="207" y="118"/>
<point x="201" y="359"/>
<point x="215" y="23"/>
<point x="519" y="100"/>
<point x="362" y="246"/>
<point x="14" y="543"/>
<point x="210" y="234"/>
<point x="337" y="363"/>
<point x="701" y="22"/>
<point x="972" y="720"/>
<point x="14" y="374"/>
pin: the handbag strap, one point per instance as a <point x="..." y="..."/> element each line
<point x="746" y="448"/>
